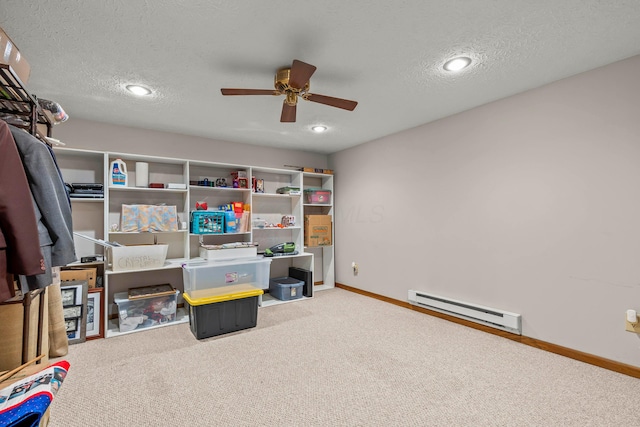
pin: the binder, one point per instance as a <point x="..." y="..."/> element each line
<point x="304" y="275"/>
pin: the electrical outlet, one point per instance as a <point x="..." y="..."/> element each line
<point x="630" y="327"/>
<point x="354" y="265"/>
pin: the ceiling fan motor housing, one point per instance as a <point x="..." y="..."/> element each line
<point x="282" y="82"/>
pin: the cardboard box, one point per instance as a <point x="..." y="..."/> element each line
<point x="317" y="230"/>
<point x="73" y="273"/>
<point x="318" y="170"/>
<point x="10" y="55"/>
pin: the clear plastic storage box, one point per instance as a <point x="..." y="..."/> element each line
<point x="145" y="312"/>
<point x="203" y="276"/>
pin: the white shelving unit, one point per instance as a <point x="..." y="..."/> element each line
<point x="324" y="270"/>
<point x="99" y="218"/>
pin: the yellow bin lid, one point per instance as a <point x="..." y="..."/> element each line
<point x="223" y="293"/>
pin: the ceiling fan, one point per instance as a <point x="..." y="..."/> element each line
<point x="294" y="83"/>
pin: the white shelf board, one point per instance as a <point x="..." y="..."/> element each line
<point x="219" y="234"/>
<point x="219" y="189"/>
<point x="168" y="264"/>
<point x="144" y="233"/>
<point x="113" y="330"/>
<point x="84" y="264"/>
<point x="298" y="255"/>
<point x="268" y="301"/>
<point x="86" y="200"/>
<point x="275" y="195"/>
<point x="276" y="228"/>
<point x="317" y="288"/>
<point x="149" y="190"/>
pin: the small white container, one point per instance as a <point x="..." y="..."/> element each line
<point x="138" y="257"/>
<point x="228" y="254"/>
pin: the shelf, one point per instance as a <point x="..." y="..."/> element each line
<point x="317" y="204"/>
<point x="268" y="301"/>
<point x="84" y="264"/>
<point x="169" y="264"/>
<point x="317" y="288"/>
<point x="143" y="233"/>
<point x="85" y="200"/>
<point x="149" y="190"/>
<point x="220" y="234"/>
<point x="317" y="247"/>
<point x="275" y="195"/>
<point x="113" y="330"/>
<point x="219" y="189"/>
<point x="298" y="255"/>
<point x="277" y="228"/>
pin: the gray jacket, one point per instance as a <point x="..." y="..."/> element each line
<point x="51" y="205"/>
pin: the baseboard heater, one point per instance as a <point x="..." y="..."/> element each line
<point x="510" y="322"/>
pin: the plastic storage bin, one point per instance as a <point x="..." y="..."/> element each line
<point x="318" y="196"/>
<point x="137" y="257"/>
<point x="286" y="288"/>
<point x="222" y="310"/>
<point x="203" y="276"/>
<point x="207" y="222"/>
<point x="145" y="312"/>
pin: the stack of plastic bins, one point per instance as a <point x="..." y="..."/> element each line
<point x="223" y="296"/>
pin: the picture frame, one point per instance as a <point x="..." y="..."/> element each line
<point x="95" y="322"/>
<point x="68" y="296"/>
<point x="79" y="289"/>
<point x="71" y="325"/>
<point x="72" y="311"/>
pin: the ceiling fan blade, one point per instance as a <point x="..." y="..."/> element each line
<point x="249" y="92"/>
<point x="300" y="74"/>
<point x="334" y="102"/>
<point x="288" y="113"/>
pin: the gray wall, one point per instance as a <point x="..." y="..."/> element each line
<point x="77" y="133"/>
<point x="529" y="204"/>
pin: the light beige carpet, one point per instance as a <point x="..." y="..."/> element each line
<point x="338" y="359"/>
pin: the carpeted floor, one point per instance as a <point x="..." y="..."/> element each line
<point x="338" y="359"/>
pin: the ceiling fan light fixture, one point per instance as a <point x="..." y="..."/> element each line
<point x="318" y="128"/>
<point x="457" y="64"/>
<point x="139" y="90"/>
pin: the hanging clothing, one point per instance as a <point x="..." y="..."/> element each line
<point x="51" y="206"/>
<point x="19" y="244"/>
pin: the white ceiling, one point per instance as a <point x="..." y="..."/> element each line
<point x="387" y="55"/>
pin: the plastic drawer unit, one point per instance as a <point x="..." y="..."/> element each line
<point x="221" y="310"/>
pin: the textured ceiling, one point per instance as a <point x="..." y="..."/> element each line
<point x="388" y="56"/>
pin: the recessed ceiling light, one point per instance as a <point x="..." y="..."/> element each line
<point x="457" y="64"/>
<point x="318" y="128"/>
<point x="139" y="90"/>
